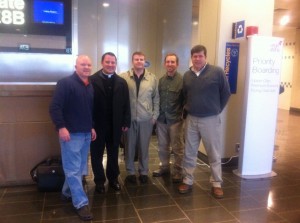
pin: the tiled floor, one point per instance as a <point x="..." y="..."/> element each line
<point x="247" y="201"/>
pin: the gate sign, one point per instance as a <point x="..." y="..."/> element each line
<point x="238" y="29"/>
<point x="12" y="12"/>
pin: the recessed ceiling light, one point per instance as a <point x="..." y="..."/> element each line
<point x="105" y="4"/>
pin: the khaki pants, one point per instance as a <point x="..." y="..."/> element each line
<point x="138" y="138"/>
<point x="209" y="130"/>
<point x="170" y="137"/>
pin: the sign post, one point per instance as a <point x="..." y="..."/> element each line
<point x="260" y="107"/>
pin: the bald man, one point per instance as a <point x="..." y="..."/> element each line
<point x="71" y="112"/>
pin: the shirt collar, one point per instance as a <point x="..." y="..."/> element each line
<point x="145" y="74"/>
<point x="200" y="71"/>
<point x="171" y="77"/>
<point x="106" y="75"/>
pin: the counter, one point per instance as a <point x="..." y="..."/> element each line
<point x="27" y="134"/>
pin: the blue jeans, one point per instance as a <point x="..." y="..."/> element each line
<point x="74" y="158"/>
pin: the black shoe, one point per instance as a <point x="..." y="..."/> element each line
<point x="143" y="178"/>
<point x="131" y="178"/>
<point x="115" y="185"/>
<point x="84" y="213"/>
<point x="100" y="188"/>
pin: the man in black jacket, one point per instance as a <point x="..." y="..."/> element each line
<point x="111" y="116"/>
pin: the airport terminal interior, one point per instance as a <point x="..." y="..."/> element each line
<point x="154" y="27"/>
<point x="265" y="200"/>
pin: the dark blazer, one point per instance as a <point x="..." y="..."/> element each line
<point x="121" y="105"/>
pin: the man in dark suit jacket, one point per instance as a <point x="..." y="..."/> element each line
<point x="111" y="116"/>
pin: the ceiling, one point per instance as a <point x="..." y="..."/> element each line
<point x="287" y="7"/>
<point x="281" y="8"/>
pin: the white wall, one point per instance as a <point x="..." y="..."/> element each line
<point x="295" y="95"/>
<point x="287" y="69"/>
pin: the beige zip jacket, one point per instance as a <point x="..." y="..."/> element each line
<point x="145" y="106"/>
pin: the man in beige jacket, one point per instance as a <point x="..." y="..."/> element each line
<point x="144" y="104"/>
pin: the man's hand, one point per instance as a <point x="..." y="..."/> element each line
<point x="94" y="135"/>
<point x="64" y="134"/>
<point x="153" y="121"/>
<point x="124" y="129"/>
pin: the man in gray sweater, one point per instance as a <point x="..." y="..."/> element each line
<point x="206" y="92"/>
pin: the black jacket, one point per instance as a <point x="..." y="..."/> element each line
<point x="121" y="105"/>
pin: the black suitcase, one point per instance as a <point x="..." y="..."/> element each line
<point x="49" y="175"/>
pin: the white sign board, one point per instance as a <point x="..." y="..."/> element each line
<point x="260" y="107"/>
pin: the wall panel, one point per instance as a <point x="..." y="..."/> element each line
<point x="152" y="26"/>
<point x="88" y="33"/>
<point x="174" y="32"/>
<point x="127" y="33"/>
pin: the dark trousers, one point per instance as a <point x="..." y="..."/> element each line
<point x="97" y="151"/>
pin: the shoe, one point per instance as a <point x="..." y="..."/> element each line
<point x="161" y="172"/>
<point x="143" y="179"/>
<point x="115" y="185"/>
<point x="177" y="178"/>
<point x="100" y="188"/>
<point x="84" y="213"/>
<point x="66" y="199"/>
<point x="131" y="178"/>
<point x="185" y="188"/>
<point x="217" y="192"/>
